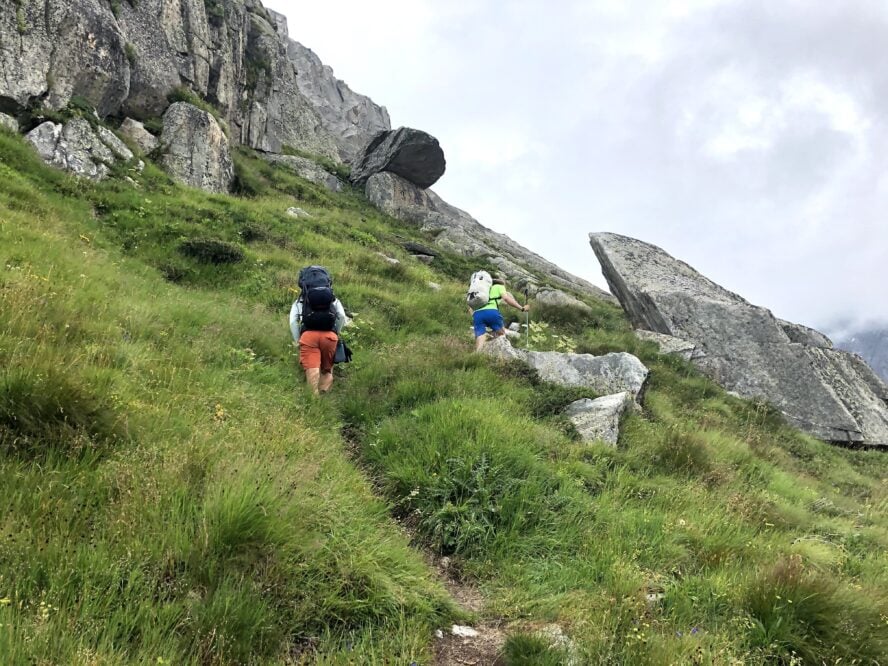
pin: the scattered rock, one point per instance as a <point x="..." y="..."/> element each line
<point x="514" y="326"/>
<point x="423" y="258"/>
<point x="612" y="373"/>
<point x="391" y="260"/>
<point x="118" y="147"/>
<point x="671" y="345"/>
<point x="513" y="335"/>
<point x="9" y="122"/>
<point x="558" y="640"/>
<point x="418" y="248"/>
<point x="298" y="212"/>
<point x="412" y="154"/>
<point x="306" y="168"/>
<point x="558" y="299"/>
<point x="828" y="393"/>
<point x="195" y="149"/>
<point x="463" y="631"/>
<point x="599" y="420"/>
<point x="136" y="132"/>
<point x="434" y="286"/>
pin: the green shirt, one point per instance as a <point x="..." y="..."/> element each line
<point x="496" y="293"/>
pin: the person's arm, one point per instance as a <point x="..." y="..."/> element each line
<point x="340" y="316"/>
<point x="507" y="297"/>
<point x="295" y="316"/>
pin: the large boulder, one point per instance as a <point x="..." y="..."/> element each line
<point x="75" y="147"/>
<point x="602" y="375"/>
<point x="351" y="119"/>
<point x="195" y="149"/>
<point x="598" y="420"/>
<point x="457" y="231"/>
<point x="409" y="153"/>
<point x="828" y="393"/>
<point x="9" y="123"/>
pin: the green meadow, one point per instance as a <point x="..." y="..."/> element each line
<point x="172" y="494"/>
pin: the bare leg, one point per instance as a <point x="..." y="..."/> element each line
<point x="479" y="341"/>
<point x="312" y="376"/>
<point x="325" y="381"/>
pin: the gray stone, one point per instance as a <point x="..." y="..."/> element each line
<point x="828" y="393"/>
<point x="418" y="248"/>
<point x="306" y="168"/>
<point x="558" y="299"/>
<point x="423" y="258"/>
<point x="351" y="119"/>
<point x="671" y="345"/>
<point x="74" y="147"/>
<point x="434" y="286"/>
<point x="412" y="154"/>
<point x="195" y="149"/>
<point x="459" y="232"/>
<point x="608" y="374"/>
<point x="118" y="147"/>
<point x="298" y="212"/>
<point x="9" y="122"/>
<point x="871" y="342"/>
<point x="136" y="132"/>
<point x="391" y="260"/>
<point x="599" y="420"/>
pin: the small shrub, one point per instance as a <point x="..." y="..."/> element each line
<point x="529" y="650"/>
<point x="173" y="272"/>
<point x="212" y="251"/>
<point x="131" y="54"/>
<point x="682" y="452"/>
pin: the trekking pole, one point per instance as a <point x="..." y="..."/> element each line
<point x="526" y="319"/>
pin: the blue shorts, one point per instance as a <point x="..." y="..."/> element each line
<point x="484" y="319"/>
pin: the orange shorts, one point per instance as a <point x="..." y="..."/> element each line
<point x="317" y="349"/>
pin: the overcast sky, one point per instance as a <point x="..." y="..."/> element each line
<point x="747" y="138"/>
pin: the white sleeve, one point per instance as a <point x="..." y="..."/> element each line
<point x="340" y="315"/>
<point x="295" y="316"/>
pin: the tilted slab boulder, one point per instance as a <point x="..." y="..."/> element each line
<point x="195" y="149"/>
<point x="598" y="420"/>
<point x="603" y="375"/>
<point x="828" y="393"/>
<point x="136" y="132"/>
<point x="410" y="153"/>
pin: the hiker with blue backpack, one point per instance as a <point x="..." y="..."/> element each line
<point x="316" y="318"/>
<point x="483" y="299"/>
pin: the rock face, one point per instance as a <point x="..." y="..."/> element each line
<point x="828" y="393"/>
<point x="411" y="154"/>
<point x="195" y="149"/>
<point x="351" y="119"/>
<point x="306" y="168"/>
<point x="8" y="122"/>
<point x="872" y="344"/>
<point x="77" y="148"/>
<point x="603" y="375"/>
<point x="458" y="231"/>
<point x="672" y="345"/>
<point x="599" y="420"/>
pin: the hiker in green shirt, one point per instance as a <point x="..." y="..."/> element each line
<point x="489" y="315"/>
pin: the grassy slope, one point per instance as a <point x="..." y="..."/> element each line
<point x="172" y="495"/>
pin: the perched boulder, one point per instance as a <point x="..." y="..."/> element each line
<point x="671" y="345"/>
<point x="136" y="132"/>
<point x="74" y="147"/>
<point x="612" y="373"/>
<point x="418" y="248"/>
<point x="195" y="149"/>
<point x="828" y="393"/>
<point x="457" y="231"/>
<point x="409" y="153"/>
<point x="118" y="147"/>
<point x="599" y="420"/>
<point x="306" y="168"/>
<point x="554" y="298"/>
<point x="9" y="123"/>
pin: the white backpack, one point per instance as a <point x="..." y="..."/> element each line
<point x="479" y="290"/>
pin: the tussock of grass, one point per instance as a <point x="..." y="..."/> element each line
<point x="171" y="491"/>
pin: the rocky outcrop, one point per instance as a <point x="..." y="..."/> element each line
<point x="136" y="132"/>
<point x="351" y="119"/>
<point x="411" y="154"/>
<point x="306" y="168"/>
<point x="77" y="148"/>
<point x="195" y="149"/>
<point x="872" y="344"/>
<point x="825" y="392"/>
<point x="599" y="420"/>
<point x="671" y="345"/>
<point x="457" y="231"/>
<point x="602" y="375"/>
